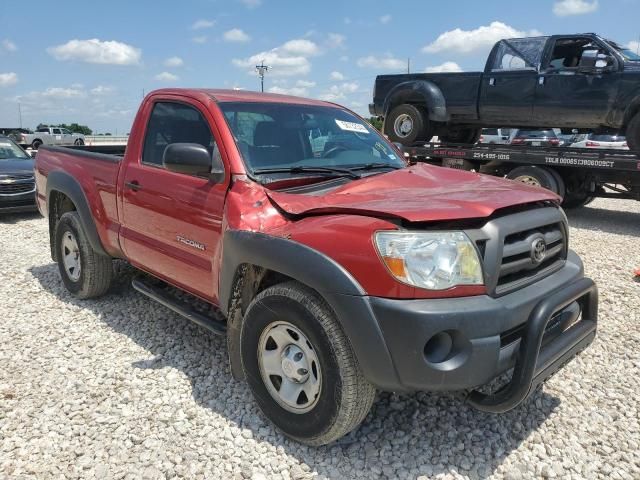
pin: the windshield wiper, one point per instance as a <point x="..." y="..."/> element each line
<point x="375" y="166"/>
<point x="340" y="172"/>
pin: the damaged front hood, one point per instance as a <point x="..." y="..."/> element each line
<point x="416" y="194"/>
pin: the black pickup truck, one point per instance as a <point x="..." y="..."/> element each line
<point x="579" y="82"/>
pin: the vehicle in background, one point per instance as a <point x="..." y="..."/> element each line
<point x="535" y="138"/>
<point x="49" y="136"/>
<point x="594" y="140"/>
<point x="568" y="139"/>
<point x="17" y="185"/>
<point x="338" y="267"/>
<point x="582" y="82"/>
<point x="495" y="136"/>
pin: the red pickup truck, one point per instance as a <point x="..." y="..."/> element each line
<point x="339" y="268"/>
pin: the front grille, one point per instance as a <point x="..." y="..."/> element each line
<point x="517" y="262"/>
<point x="506" y="245"/>
<point x="16" y="184"/>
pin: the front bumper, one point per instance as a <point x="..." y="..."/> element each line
<point x="25" y="202"/>
<point x="464" y="343"/>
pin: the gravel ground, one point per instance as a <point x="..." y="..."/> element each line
<point x="123" y="388"/>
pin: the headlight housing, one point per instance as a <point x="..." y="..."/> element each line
<point x="430" y="260"/>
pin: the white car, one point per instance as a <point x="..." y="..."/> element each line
<point x="497" y="136"/>
<point x="610" y="142"/>
<point x="49" y="136"/>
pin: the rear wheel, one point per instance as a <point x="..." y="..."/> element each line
<point x="535" y="176"/>
<point x="301" y="367"/>
<point x="78" y="141"/>
<point x="407" y="124"/>
<point x="633" y="134"/>
<point x="36" y="144"/>
<point x="468" y="136"/>
<point x="85" y="272"/>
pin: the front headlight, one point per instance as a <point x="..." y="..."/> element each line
<point x="430" y="260"/>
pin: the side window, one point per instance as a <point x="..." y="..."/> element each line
<point x="569" y="54"/>
<point x="56" y="131"/>
<point x="66" y="132"/>
<point x="174" y="123"/>
<point x="519" y="54"/>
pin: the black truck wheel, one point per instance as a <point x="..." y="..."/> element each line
<point x="535" y="176"/>
<point x="633" y="134"/>
<point x="85" y="272"/>
<point x="301" y="367"/>
<point x="577" y="200"/>
<point x="36" y="144"/>
<point x="78" y="142"/>
<point x="468" y="136"/>
<point x="407" y="124"/>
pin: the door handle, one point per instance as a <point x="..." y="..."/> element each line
<point x="541" y="80"/>
<point x="133" y="185"/>
<point x="492" y="82"/>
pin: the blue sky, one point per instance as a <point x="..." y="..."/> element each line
<point x="76" y="62"/>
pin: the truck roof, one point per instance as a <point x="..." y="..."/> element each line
<point x="226" y="95"/>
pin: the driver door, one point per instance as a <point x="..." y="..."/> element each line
<point x="172" y="222"/>
<point x="573" y="88"/>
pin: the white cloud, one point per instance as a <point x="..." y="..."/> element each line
<point x="340" y="91"/>
<point x="305" y="83"/>
<point x="382" y="63"/>
<point x="251" y="3"/>
<point x="102" y="90"/>
<point x="335" y="40"/>
<point x="167" y="77"/>
<point x="296" y="91"/>
<point x="564" y="8"/>
<point x="199" y="39"/>
<point x="8" y="79"/>
<point x="173" y="62"/>
<point x="337" y="76"/>
<point x="8" y="46"/>
<point x="445" y="67"/>
<point x="202" y="24"/>
<point x="291" y="58"/>
<point x="467" y="41"/>
<point x="109" y="52"/>
<point x="384" y="19"/>
<point x="236" y="35"/>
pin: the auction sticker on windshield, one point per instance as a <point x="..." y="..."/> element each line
<point x="352" y="127"/>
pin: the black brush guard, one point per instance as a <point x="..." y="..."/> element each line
<point x="535" y="364"/>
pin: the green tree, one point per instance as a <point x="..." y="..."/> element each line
<point x="376" y="122"/>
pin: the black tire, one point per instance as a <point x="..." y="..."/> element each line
<point x="562" y="188"/>
<point x="95" y="270"/>
<point x="467" y="136"/>
<point x="633" y="134"/>
<point x="536" y="176"/>
<point x="345" y="396"/>
<point x="78" y="141"/>
<point x="420" y="126"/>
<point x="35" y="145"/>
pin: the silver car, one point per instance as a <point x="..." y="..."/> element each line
<point x="49" y="136"/>
<point x="609" y="142"/>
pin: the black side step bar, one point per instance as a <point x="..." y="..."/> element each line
<point x="180" y="307"/>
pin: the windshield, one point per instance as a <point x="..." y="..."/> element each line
<point x="276" y="135"/>
<point x="607" y="138"/>
<point x="11" y="151"/>
<point x="627" y="53"/>
<point x="535" y="133"/>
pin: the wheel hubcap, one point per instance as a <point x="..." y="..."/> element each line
<point x="71" y="256"/>
<point x="528" y="180"/>
<point x="403" y="125"/>
<point x="289" y="367"/>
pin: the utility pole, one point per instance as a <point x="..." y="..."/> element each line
<point x="408" y="65"/>
<point x="20" y="113"/>
<point x="262" y="69"/>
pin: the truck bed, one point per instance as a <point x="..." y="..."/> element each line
<point x="460" y="89"/>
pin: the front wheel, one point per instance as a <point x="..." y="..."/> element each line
<point x="301" y="367"/>
<point x="633" y="134"/>
<point x="407" y="124"/>
<point x="85" y="272"/>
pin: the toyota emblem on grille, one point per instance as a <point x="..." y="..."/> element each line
<point x="538" y="250"/>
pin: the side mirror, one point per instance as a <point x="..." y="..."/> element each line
<point x="192" y="159"/>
